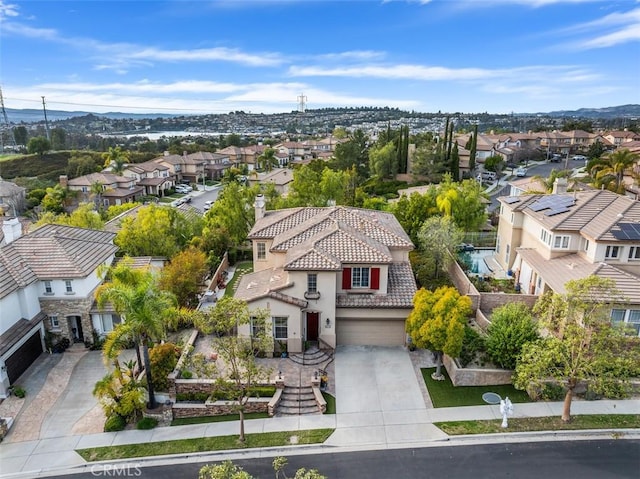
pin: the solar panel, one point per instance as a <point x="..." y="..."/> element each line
<point x="553" y="202"/>
<point x="511" y="199"/>
<point x="627" y="231"/>
<point x="556" y="211"/>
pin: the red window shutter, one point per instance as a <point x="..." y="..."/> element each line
<point x="346" y="278"/>
<point x="375" y="278"/>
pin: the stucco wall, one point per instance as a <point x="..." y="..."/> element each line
<point x="475" y="377"/>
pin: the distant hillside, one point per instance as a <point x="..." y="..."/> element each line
<point x="622" y="111"/>
<point x="32" y="115"/>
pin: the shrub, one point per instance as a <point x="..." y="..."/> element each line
<point x="552" y="392"/>
<point x="512" y="326"/>
<point x="147" y="423"/>
<point x="19" y="392"/>
<point x="163" y="358"/>
<point x="256" y="391"/>
<point x="192" y="397"/>
<point x="115" y="423"/>
<point x="473" y="345"/>
<point x="186" y="374"/>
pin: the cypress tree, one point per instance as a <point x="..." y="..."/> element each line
<point x="472" y="150"/>
<point x="455" y="163"/>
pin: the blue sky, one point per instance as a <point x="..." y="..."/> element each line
<point x="216" y="56"/>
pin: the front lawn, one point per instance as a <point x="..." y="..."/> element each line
<point x="331" y="403"/>
<point x="445" y="394"/>
<point x="204" y="444"/>
<point x="525" y="424"/>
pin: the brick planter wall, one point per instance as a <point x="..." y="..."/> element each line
<point x="475" y="377"/>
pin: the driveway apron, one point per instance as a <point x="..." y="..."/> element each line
<point x="378" y="399"/>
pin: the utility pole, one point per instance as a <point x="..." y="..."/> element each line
<point x="7" y="126"/>
<point x="46" y="122"/>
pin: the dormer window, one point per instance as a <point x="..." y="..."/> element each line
<point x="361" y="278"/>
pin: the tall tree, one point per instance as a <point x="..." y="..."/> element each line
<point x="473" y="149"/>
<point x="580" y="345"/>
<point x="383" y="161"/>
<point x="184" y="275"/>
<point x="21" y="135"/>
<point x="116" y="159"/>
<point x="58" y="139"/>
<point x="609" y="171"/>
<point x="438" y="236"/>
<point x="454" y="163"/>
<point x="241" y="371"/>
<point x="267" y="160"/>
<point x="144" y="308"/>
<point x="38" y="145"/>
<point x="437" y="322"/>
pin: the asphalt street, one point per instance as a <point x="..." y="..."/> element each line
<point x="582" y="459"/>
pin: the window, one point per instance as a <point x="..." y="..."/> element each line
<point x="312" y="283"/>
<point x="360" y="278"/>
<point x="561" y="242"/>
<point x="254" y="323"/>
<point x="634" y="252"/>
<point x="545" y="236"/>
<point x="55" y="324"/>
<point x="68" y="285"/>
<point x="280" y="327"/>
<point x="629" y="316"/>
<point x="612" y="252"/>
<point x="261" y="251"/>
<point x="498" y="244"/>
<point x="586" y="245"/>
<point x="513" y="217"/>
<point x="109" y="321"/>
<point x="48" y="289"/>
<point x="506" y="254"/>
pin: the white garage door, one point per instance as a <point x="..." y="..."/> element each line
<point x="370" y="332"/>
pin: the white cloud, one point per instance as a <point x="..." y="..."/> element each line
<point x="612" y="29"/>
<point x="206" y="54"/>
<point x="8" y="9"/>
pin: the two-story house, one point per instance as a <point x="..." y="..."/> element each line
<point x="115" y="189"/>
<point x="47" y="282"/>
<point x="547" y="240"/>
<point x="335" y="275"/>
<point x="155" y="178"/>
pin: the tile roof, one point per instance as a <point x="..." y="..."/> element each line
<point x="595" y="213"/>
<point x="260" y="284"/>
<point x="400" y="292"/>
<point x="557" y="272"/>
<point x="53" y="252"/>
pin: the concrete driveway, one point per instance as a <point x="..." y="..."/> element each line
<point x="378" y="399"/>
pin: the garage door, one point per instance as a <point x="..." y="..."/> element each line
<point x="19" y="361"/>
<point x="370" y="332"/>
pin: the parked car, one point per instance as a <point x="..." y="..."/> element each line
<point x="521" y="172"/>
<point x="177" y="202"/>
<point x="207" y="205"/>
<point x="181" y="189"/>
<point x="466" y="247"/>
<point x="579" y="158"/>
<point x="489" y="175"/>
<point x="555" y="158"/>
<point x="187" y="199"/>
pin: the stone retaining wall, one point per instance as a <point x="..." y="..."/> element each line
<point x="219" y="408"/>
<point x="475" y="377"/>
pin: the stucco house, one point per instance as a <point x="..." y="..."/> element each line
<point x="47" y="282"/>
<point x="334" y="275"/>
<point x="116" y="189"/>
<point x="548" y="240"/>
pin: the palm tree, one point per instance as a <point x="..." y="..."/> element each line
<point x="609" y="171"/>
<point x="551" y="179"/>
<point x="144" y="308"/>
<point x="267" y="160"/>
<point x="116" y="159"/>
<point x="96" y="190"/>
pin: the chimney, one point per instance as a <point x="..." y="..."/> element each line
<point x="559" y="186"/>
<point x="12" y="230"/>
<point x="64" y="181"/>
<point x="259" y="206"/>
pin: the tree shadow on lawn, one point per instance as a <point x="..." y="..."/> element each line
<point x="445" y="394"/>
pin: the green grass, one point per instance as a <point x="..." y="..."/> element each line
<point x="204" y="444"/>
<point x="242" y="268"/>
<point x="595" y="421"/>
<point x="331" y="403"/>
<point x="445" y="394"/>
<point x="184" y="421"/>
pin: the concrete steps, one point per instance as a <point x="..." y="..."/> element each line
<point x="313" y="357"/>
<point x="297" y="401"/>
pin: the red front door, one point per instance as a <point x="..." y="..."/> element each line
<point x="312" y="326"/>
